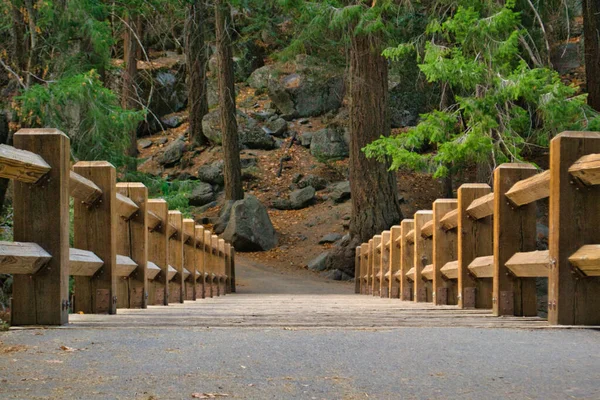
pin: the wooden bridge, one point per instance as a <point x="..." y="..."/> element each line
<point x="129" y="251"/>
<point x="479" y="251"/>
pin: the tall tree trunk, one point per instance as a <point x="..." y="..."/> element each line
<point x="18" y="33"/>
<point x="195" y="49"/>
<point x="231" y="147"/>
<point x="591" y="22"/>
<point x="129" y="95"/>
<point x="375" y="205"/>
<point x="33" y="51"/>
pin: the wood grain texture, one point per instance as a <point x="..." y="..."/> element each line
<point x="445" y="250"/>
<point x="125" y="207"/>
<point x="395" y="255"/>
<point x="158" y="253"/>
<point x="427" y="230"/>
<point x="450" y="220"/>
<point x="427" y="272"/>
<point x="21" y="165"/>
<point x="407" y="260"/>
<point x="533" y="264"/>
<point x="94" y="229"/>
<point x="587" y="169"/>
<point x="482" y="267"/>
<point x="423" y="256"/>
<point x="22" y="258"/>
<point x="83" y="263"/>
<point x="41" y="216"/>
<point x="125" y="266"/>
<point x="176" y="284"/>
<point x="482" y="207"/>
<point x="83" y="190"/>
<point x="531" y="189"/>
<point x="153" y="271"/>
<point x="514" y="232"/>
<point x="154" y="221"/>
<point x="450" y="270"/>
<point x="587" y="259"/>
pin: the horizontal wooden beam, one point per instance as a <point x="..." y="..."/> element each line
<point x="427" y="229"/>
<point x="410" y="236"/>
<point x="587" y="169"/>
<point x="533" y="264"/>
<point x="154" y="221"/>
<point x="427" y="272"/>
<point x="481" y="207"/>
<point x="83" y="263"/>
<point x="82" y="189"/>
<point x="21" y="165"/>
<point x="587" y="259"/>
<point x="153" y="271"/>
<point x="126" y="207"/>
<point x="186" y="274"/>
<point x="171" y="273"/>
<point x="482" y="267"/>
<point x="450" y="220"/>
<point x="22" y="258"/>
<point x="450" y="270"/>
<point x="398" y="275"/>
<point x="171" y="230"/>
<point x="125" y="266"/>
<point x="410" y="274"/>
<point x="531" y="189"/>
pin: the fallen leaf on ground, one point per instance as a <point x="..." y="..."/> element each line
<point x="68" y="349"/>
<point x="208" y="395"/>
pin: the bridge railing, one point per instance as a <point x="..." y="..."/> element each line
<point x="129" y="251"/>
<point x="479" y="251"/>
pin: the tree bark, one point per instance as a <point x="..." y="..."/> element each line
<point x="231" y="147"/>
<point x="591" y="22"/>
<point x="196" y="63"/>
<point x="129" y="95"/>
<point x="375" y="205"/>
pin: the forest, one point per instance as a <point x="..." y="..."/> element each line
<point x="334" y="118"/>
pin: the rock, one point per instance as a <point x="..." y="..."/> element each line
<point x="340" y="192"/>
<point x="260" y="78"/>
<point x="224" y="216"/>
<point x="263" y="115"/>
<point x="201" y="194"/>
<point x="329" y="143"/>
<point x="306" y="139"/>
<point x="281" y="204"/>
<point x="162" y="140"/>
<point x="336" y="275"/>
<point x="312" y="180"/>
<point x="302" y="198"/>
<point x="172" y="153"/>
<point x="250" y="134"/>
<point x="249" y="227"/>
<point x="144" y="143"/>
<point x="212" y="173"/>
<point x="278" y="127"/>
<point x="304" y="121"/>
<point x="173" y="120"/>
<point x="330" y="238"/>
<point x="567" y="57"/>
<point x="248" y="162"/>
<point x="319" y="263"/>
<point x="297" y="178"/>
<point x="207" y="206"/>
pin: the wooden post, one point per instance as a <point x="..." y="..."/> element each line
<point x="214" y="243"/>
<point x="95" y="230"/>
<point x="375" y="286"/>
<point x="407" y="260"/>
<point x="176" y="286"/>
<point x="189" y="257"/>
<point x="364" y="266"/>
<point x="574" y="299"/>
<point x="514" y="232"/>
<point x="232" y="255"/>
<point x="444" y="250"/>
<point x="132" y="241"/>
<point x="228" y="264"/>
<point x="199" y="257"/>
<point x="422" y="257"/>
<point x="222" y="267"/>
<point x="370" y="259"/>
<point x="41" y="215"/>
<point x="384" y="262"/>
<point x="357" y="259"/>
<point x="474" y="240"/>
<point x="208" y="265"/>
<point x="395" y="254"/>
<point x="158" y="253"/>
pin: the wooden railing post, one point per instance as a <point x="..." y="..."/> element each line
<point x="384" y="288"/>
<point x="222" y="268"/>
<point x="232" y="267"/>
<point x="444" y="250"/>
<point x="41" y="215"/>
<point x="214" y="243"/>
<point x="574" y="299"/>
<point x="370" y="259"/>
<point x="395" y="254"/>
<point x="474" y="240"/>
<point x="514" y="231"/>
<point x="132" y="241"/>
<point x="357" y="259"/>
<point x="422" y="257"/>
<point x="228" y="265"/>
<point x="200" y="292"/>
<point x="176" y="285"/>
<point x="95" y="230"/>
<point x="158" y="253"/>
<point x="407" y="260"/>
<point x="364" y="267"/>
<point x="189" y="257"/>
<point x="375" y="285"/>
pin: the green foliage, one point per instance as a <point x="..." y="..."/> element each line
<point x="498" y="105"/>
<point x="84" y="109"/>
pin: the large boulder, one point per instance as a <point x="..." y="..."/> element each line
<point x="212" y="173"/>
<point x="340" y="192"/>
<point x="319" y="263"/>
<point x="249" y="227"/>
<point x="172" y="153"/>
<point x="251" y="135"/>
<point x="329" y="143"/>
<point x="302" y="198"/>
<point x="313" y="180"/>
<point x="201" y="194"/>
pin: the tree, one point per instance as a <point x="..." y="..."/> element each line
<point x="231" y="146"/>
<point x="129" y="92"/>
<point x="591" y="22"/>
<point x="196" y="63"/>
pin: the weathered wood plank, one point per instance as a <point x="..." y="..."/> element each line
<point x="482" y="267"/>
<point x="22" y="258"/>
<point x="450" y="269"/>
<point x="532" y="264"/>
<point x="587" y="169"/>
<point x="531" y="189"/>
<point x="587" y="259"/>
<point x="83" y="263"/>
<point x="83" y="189"/>
<point x="125" y="207"/>
<point x="21" y="165"/>
<point x="450" y="220"/>
<point x="41" y="216"/>
<point x="482" y="207"/>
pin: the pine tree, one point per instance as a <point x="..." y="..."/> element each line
<point x="591" y="21"/>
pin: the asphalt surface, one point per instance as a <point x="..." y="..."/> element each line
<point x="274" y="362"/>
